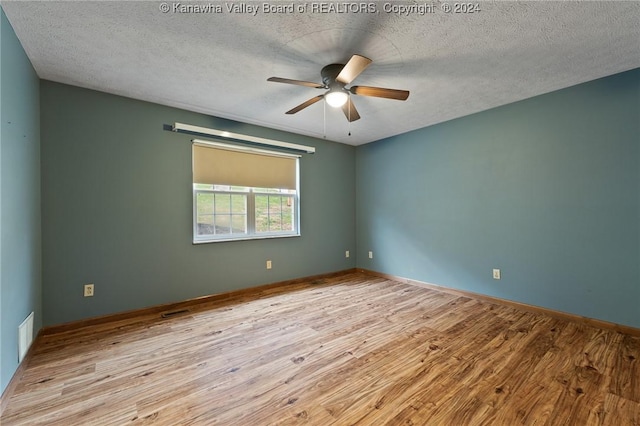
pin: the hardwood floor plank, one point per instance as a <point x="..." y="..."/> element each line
<point x="619" y="411"/>
<point x="625" y="383"/>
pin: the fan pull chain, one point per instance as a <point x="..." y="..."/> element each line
<point x="349" y="100"/>
<point x="324" y="118"/>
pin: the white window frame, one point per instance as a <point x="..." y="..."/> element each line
<point x="250" y="216"/>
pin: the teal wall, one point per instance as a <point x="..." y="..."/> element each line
<point x="117" y="209"/>
<point x="546" y="189"/>
<point x="20" y="251"/>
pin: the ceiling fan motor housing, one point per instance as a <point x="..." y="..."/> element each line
<point x="329" y="74"/>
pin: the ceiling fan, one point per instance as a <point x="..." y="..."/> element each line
<point x="335" y="78"/>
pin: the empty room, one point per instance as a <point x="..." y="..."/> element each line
<point x="324" y="213"/>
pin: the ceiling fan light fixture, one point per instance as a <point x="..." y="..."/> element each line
<point x="334" y="78"/>
<point x="336" y="98"/>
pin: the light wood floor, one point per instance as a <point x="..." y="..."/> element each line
<point x="348" y="350"/>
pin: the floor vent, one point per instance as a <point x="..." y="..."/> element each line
<point x="174" y="313"/>
<point x="25" y="336"/>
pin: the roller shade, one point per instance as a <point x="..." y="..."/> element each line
<point x="228" y="165"/>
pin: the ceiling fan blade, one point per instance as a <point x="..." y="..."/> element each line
<point x="350" y="111"/>
<point x="305" y="104"/>
<point x="380" y="92"/>
<point x="298" y="82"/>
<point x="353" y="68"/>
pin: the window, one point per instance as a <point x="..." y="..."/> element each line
<point x="243" y="193"/>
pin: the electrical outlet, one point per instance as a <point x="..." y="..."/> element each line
<point x="269" y="264"/>
<point x="88" y="290"/>
<point x="496" y="274"/>
<point x="370" y="255"/>
<point x="346" y="253"/>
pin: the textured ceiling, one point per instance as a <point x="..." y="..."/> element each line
<point x="454" y="64"/>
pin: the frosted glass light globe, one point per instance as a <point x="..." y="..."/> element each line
<point x="336" y="99"/>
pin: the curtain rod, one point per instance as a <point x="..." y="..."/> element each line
<point x="188" y="128"/>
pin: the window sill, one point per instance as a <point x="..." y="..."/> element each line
<point x="247" y="238"/>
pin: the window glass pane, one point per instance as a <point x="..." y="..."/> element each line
<point x="262" y="213"/>
<point x="205" y="224"/>
<point x="223" y="203"/>
<point x="287" y="214"/>
<point x="204" y="203"/>
<point x="239" y="223"/>
<point x="223" y="224"/>
<point x="239" y="204"/>
<point x="275" y="213"/>
<point x="275" y="224"/>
